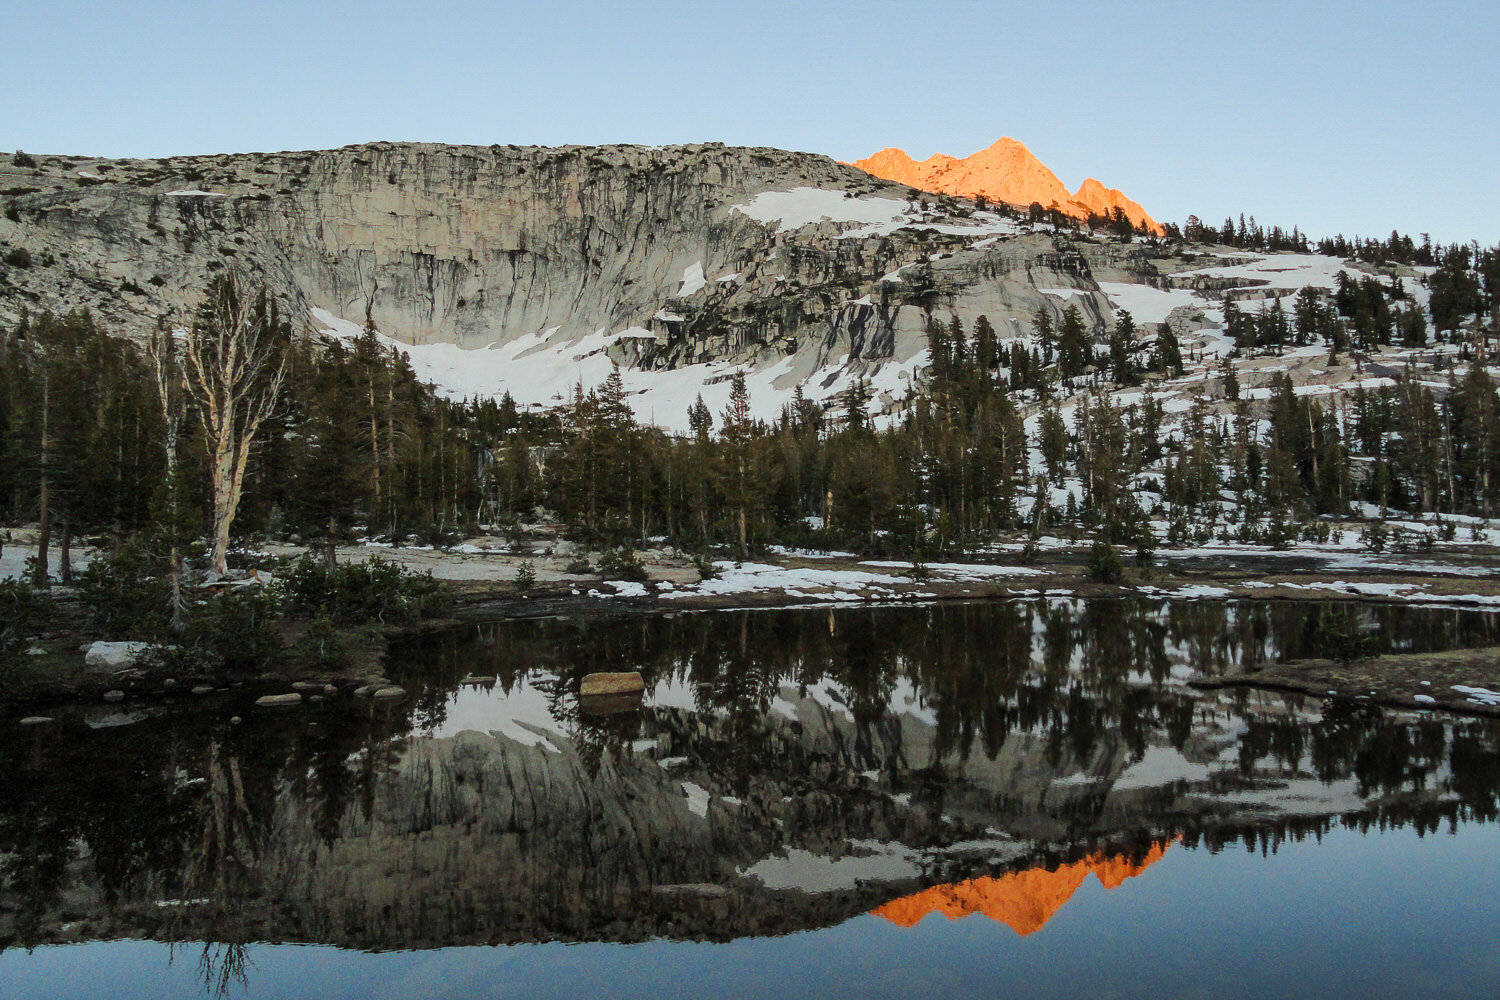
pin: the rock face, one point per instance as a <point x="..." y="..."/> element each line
<point x="1006" y="171"/>
<point x="459" y="244"/>
<point x="658" y="259"/>
<point x="1103" y="201"/>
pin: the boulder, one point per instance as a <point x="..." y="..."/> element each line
<point x="114" y="696"/>
<point x="276" y="700"/>
<point x="114" y="655"/>
<point x="36" y="720"/>
<point x="595" y="685"/>
<point x="389" y="693"/>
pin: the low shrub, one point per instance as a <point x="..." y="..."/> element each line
<point x="622" y="564"/>
<point x="1104" y="564"/>
<point x="124" y="594"/>
<point x="320" y="645"/>
<point x="1375" y="537"/>
<point x="21" y="610"/>
<point x="355" y="593"/>
<point x="238" y="628"/>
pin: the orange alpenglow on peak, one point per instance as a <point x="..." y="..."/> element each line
<point x="1023" y="901"/>
<point x="1008" y="172"/>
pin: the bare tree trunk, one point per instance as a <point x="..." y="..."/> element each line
<point x="65" y="553"/>
<point x="168" y="385"/>
<point x="744" y="549"/>
<point x="41" y="578"/>
<point x="390" y="447"/>
<point x="374" y="459"/>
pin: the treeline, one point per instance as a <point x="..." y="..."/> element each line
<point x="1001" y="436"/>
<point x="1467" y="277"/>
<point x="90" y="425"/>
<point x="987" y="447"/>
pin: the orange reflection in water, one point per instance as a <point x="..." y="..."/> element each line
<point x="1023" y="901"/>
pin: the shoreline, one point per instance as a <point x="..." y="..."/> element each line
<point x="811" y="581"/>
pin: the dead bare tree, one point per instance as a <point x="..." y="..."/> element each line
<point x="166" y="369"/>
<point x="234" y="366"/>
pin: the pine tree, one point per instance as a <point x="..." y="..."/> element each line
<point x="1121" y="345"/>
<point x="1045" y="336"/>
<point x="737" y="437"/>
<point x="1168" y="358"/>
<point x="1075" y="354"/>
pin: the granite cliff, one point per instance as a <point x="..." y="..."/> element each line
<point x="689" y="259"/>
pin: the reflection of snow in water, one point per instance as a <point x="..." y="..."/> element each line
<point x="522" y="715"/>
<point x="800" y="869"/>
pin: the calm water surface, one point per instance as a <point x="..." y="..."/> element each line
<point x="990" y="799"/>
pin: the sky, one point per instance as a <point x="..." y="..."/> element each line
<point x="1352" y="117"/>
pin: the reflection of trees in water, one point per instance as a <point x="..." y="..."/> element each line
<point x="223" y="967"/>
<point x="1076" y="672"/>
<point x="1085" y="675"/>
<point x="187" y="807"/>
<point x="175" y="808"/>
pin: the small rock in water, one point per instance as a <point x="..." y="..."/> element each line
<point x="706" y="890"/>
<point x="390" y="692"/>
<point x="235" y="720"/>
<point x="114" y="696"/>
<point x="202" y="689"/>
<point x="274" y="700"/>
<point x="629" y="682"/>
<point x="36" y="651"/>
<point x="36" y="720"/>
<point x="307" y="686"/>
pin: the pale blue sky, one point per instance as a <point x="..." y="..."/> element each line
<point x="1352" y="117"/>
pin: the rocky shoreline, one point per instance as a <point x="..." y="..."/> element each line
<point x="63" y="677"/>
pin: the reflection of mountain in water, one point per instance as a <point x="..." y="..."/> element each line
<point x="1024" y="901"/>
<point x="790" y="770"/>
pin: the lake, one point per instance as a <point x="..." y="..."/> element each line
<point x="1021" y="798"/>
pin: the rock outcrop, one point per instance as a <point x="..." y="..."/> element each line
<point x="1005" y="171"/>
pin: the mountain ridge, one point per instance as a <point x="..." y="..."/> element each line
<point x="1007" y="171"/>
